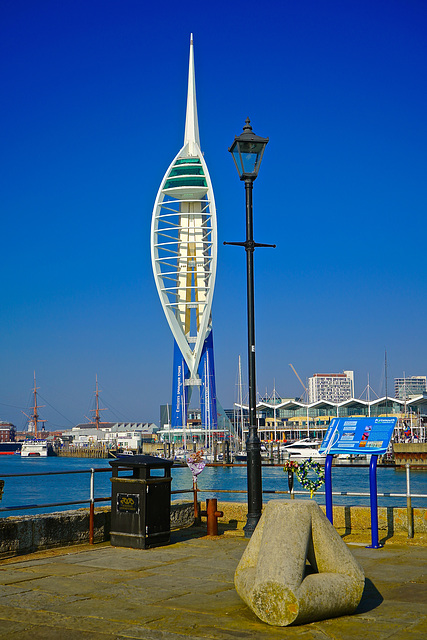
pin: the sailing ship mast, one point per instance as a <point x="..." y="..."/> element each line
<point x="241" y="402"/>
<point x="34" y="418"/>
<point x="367" y="390"/>
<point x="369" y="399"/>
<point x="35" y="415"/>
<point x="274" y="397"/>
<point x="386" y="382"/>
<point x="97" y="419"/>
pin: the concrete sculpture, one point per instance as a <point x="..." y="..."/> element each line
<point x="274" y="579"/>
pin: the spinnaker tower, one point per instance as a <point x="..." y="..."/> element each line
<point x="184" y="257"/>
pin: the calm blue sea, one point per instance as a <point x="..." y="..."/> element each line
<point x="37" y="490"/>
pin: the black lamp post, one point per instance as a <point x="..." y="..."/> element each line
<point x="247" y="150"/>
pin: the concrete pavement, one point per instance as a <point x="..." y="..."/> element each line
<point x="185" y="590"/>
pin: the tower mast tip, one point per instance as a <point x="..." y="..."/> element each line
<point x="191" y="135"/>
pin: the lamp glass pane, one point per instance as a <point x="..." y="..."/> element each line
<point x="237" y="159"/>
<point x="251" y="153"/>
<point x="249" y="162"/>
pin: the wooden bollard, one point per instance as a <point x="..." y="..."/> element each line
<point x="212" y="514"/>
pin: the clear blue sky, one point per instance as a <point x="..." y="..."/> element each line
<point x="93" y="112"/>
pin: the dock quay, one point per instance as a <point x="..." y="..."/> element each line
<point x="21" y="535"/>
<point x="413" y="453"/>
<point x="185" y="590"/>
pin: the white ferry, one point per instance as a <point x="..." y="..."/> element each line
<point x="36" y="449"/>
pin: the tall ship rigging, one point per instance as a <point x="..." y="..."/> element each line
<point x="36" y="447"/>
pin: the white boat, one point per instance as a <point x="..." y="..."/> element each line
<point x="36" y="449"/>
<point x="303" y="449"/>
<point x="242" y="456"/>
<point x="181" y="454"/>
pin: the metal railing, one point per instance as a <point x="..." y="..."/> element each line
<point x="57" y="504"/>
<point x="91" y="500"/>
<point x="195" y="491"/>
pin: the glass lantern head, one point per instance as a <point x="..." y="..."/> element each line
<point x="247" y="150"/>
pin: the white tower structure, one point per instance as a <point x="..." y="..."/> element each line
<point x="184" y="257"/>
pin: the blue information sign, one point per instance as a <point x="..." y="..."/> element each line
<point x="358" y="436"/>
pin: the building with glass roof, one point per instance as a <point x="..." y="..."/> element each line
<point x="290" y="419"/>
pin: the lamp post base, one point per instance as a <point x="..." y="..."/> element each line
<point x="253" y="448"/>
<point x="251" y="523"/>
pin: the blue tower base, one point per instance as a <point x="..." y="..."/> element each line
<point x="181" y="393"/>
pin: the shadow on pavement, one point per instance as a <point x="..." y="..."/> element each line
<point x="371" y="598"/>
<point x="180" y="535"/>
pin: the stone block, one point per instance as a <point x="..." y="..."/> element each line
<point x="182" y="514"/>
<point x="274" y="579"/>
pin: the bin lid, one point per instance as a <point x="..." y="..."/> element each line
<point x="141" y="461"/>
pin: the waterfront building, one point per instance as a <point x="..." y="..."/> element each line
<point x="292" y="419"/>
<point x="112" y="434"/>
<point x="7" y="431"/>
<point x="184" y="255"/>
<point x="407" y="388"/>
<point x="333" y="387"/>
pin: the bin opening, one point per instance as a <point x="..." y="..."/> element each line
<point x="157" y="473"/>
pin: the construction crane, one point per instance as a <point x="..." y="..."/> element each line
<point x="293" y="369"/>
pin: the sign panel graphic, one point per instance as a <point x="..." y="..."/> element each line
<point x="358" y="436"/>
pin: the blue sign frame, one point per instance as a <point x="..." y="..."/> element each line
<point x="357" y="436"/>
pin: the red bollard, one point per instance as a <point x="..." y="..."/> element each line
<point x="212" y="515"/>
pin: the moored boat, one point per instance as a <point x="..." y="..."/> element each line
<point x="121" y="453"/>
<point x="10" y="448"/>
<point x="303" y="449"/>
<point x="242" y="456"/>
<point x="36" y="449"/>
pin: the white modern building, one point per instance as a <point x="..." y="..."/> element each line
<point x="406" y="388"/>
<point x="333" y="387"/>
<point x="128" y="435"/>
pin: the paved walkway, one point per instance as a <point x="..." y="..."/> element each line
<point x="185" y="590"/>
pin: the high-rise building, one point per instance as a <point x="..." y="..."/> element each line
<point x="183" y="255"/>
<point x="406" y="388"/>
<point x="335" y="387"/>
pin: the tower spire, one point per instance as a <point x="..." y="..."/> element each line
<point x="191" y="135"/>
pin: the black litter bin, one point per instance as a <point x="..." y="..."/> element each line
<point x="140" y="502"/>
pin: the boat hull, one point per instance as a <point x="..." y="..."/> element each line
<point x="10" y="448"/>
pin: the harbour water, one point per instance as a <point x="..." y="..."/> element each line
<point x="37" y="490"/>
